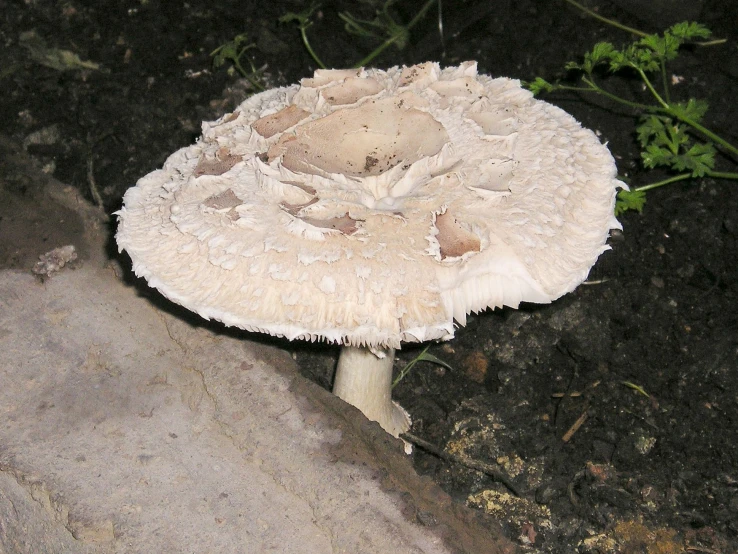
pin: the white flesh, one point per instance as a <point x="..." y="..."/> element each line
<point x="365" y="381"/>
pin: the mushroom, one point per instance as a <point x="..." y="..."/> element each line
<point x="370" y="208"/>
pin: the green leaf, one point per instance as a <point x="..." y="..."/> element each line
<point x="302" y="18"/>
<point x="231" y="50"/>
<point x="670" y="149"/>
<point x="693" y="109"/>
<point x="618" y="61"/>
<point x="645" y="59"/>
<point x="650" y="126"/>
<point x="655" y="155"/>
<point x="672" y="135"/>
<point x="651" y="50"/>
<point x="665" y="47"/>
<point x="659" y="132"/>
<point x="422" y="357"/>
<point x="425" y="357"/>
<point x="699" y="159"/>
<point x="635" y="56"/>
<point x="689" y="30"/>
<point x="601" y="52"/>
<point x="539" y="85"/>
<point x="630" y="200"/>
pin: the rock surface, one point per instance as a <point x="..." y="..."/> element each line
<point x="129" y="426"/>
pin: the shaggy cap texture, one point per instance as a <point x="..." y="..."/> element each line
<point x="371" y="207"/>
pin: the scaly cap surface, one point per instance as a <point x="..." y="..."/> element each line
<point x="371" y="207"/>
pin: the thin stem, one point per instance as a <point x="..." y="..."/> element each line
<point x="648" y="84"/>
<point x="249" y="76"/>
<point x="714" y="42"/>
<point x="664" y="81"/>
<point x="594" y="88"/>
<point x="421" y="13"/>
<point x="387" y="43"/>
<point x="623" y="101"/>
<point x="477" y="465"/>
<point x="650" y="186"/>
<point x="405" y="370"/>
<point x="684" y="177"/>
<point x="606" y="20"/>
<point x="377" y="51"/>
<point x="306" y="42"/>
<point x="705" y="131"/>
<point x="722" y="175"/>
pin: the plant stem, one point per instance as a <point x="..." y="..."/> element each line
<point x="405" y="370"/>
<point x="377" y="51"/>
<point x="391" y="40"/>
<point x="421" y="13"/>
<point x="648" y="84"/>
<point x="664" y="82"/>
<point x="657" y="184"/>
<point x="722" y="175"/>
<point x="594" y="88"/>
<point x="606" y="20"/>
<point x="306" y="42"/>
<point x="685" y="176"/>
<point x="249" y="76"/>
<point x="477" y="465"/>
<point x="705" y="131"/>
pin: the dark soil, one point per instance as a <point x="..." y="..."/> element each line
<point x="643" y="357"/>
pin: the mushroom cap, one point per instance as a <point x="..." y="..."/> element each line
<point x="371" y="207"/>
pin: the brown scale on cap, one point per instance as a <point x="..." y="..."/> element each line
<point x="226" y="201"/>
<point x="222" y="162"/>
<point x="453" y="239"/>
<point x="344" y="224"/>
<point x="270" y="125"/>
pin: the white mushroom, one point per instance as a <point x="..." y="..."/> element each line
<point x="370" y="208"/>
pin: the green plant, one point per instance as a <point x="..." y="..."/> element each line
<point x="383" y="27"/>
<point x="670" y="133"/>
<point x="304" y="21"/>
<point x="422" y="357"/>
<point x="233" y="52"/>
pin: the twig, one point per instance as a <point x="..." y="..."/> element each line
<point x="575" y="427"/>
<point x="573" y="394"/>
<point x="477" y="465"/>
<point x="585" y="414"/>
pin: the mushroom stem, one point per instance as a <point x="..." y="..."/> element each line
<point x="364" y="380"/>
